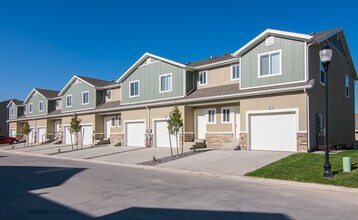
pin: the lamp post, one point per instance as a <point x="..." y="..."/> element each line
<point x="325" y="55"/>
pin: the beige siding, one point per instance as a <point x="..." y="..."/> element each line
<point x="86" y="119"/>
<point x="189" y="119"/>
<point x="59" y="104"/>
<point x="287" y="101"/>
<point x="116" y="95"/>
<point x="13" y="125"/>
<point x="99" y="124"/>
<point x="218" y="76"/>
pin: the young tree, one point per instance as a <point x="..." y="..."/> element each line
<point x="26" y="130"/>
<point x="75" y="128"/>
<point x="175" y="122"/>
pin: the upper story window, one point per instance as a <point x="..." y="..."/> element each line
<point x="165" y="83"/>
<point x="203" y="80"/>
<point x="225" y="115"/>
<point x="270" y="63"/>
<point x="41" y="106"/>
<point x="211" y="116"/>
<point x="69" y="101"/>
<point x="85" y="100"/>
<point x="12" y="111"/>
<point x="235" y="71"/>
<point x="347" y="86"/>
<point x="30" y="108"/>
<point x="134" y="88"/>
<point x="113" y="122"/>
<point x="109" y="94"/>
<point x="322" y="75"/>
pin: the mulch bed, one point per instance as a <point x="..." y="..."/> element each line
<point x="157" y="161"/>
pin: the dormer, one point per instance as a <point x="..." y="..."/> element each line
<point x="15" y="109"/>
<point x="40" y="102"/>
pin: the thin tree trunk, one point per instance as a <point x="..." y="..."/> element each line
<point x="176" y="142"/>
<point x="170" y="144"/>
<point x="71" y="140"/>
<point x="182" y="142"/>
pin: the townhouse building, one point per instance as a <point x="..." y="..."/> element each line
<point x="267" y="95"/>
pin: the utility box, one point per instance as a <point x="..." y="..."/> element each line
<point x="347" y="164"/>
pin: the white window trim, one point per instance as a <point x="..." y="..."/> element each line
<point x="87" y="98"/>
<point x="206" y="78"/>
<point x="207" y="118"/>
<point x="232" y="73"/>
<point x="67" y="102"/>
<point x="222" y="115"/>
<point x="12" y="111"/>
<point x="32" y="107"/>
<point x="345" y="85"/>
<point x="42" y="106"/>
<point x="112" y="126"/>
<point x="129" y="88"/>
<point x="110" y="91"/>
<point x="259" y="64"/>
<point x="160" y="82"/>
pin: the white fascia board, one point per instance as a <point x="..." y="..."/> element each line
<point x="217" y="64"/>
<point x="70" y="83"/>
<point x="142" y="59"/>
<point x="10" y="104"/>
<point x="31" y="93"/>
<point x="269" y="32"/>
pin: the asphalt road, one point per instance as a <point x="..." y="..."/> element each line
<point x="46" y="188"/>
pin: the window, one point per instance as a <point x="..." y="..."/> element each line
<point x="235" y="72"/>
<point x="347" y="86"/>
<point x="211" y="116"/>
<point x="119" y="119"/>
<point x="134" y="88"/>
<point x="109" y="94"/>
<point x="165" y="83"/>
<point x="69" y="101"/>
<point x="113" y="122"/>
<point x="85" y="98"/>
<point x="203" y="77"/>
<point x="322" y="75"/>
<point x="270" y="64"/>
<point x="12" y="111"/>
<point x="41" y="106"/>
<point x="226" y="115"/>
<point x="30" y="108"/>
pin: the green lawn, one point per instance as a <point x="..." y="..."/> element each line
<point x="308" y="167"/>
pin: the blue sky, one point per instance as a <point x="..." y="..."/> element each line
<point x="44" y="43"/>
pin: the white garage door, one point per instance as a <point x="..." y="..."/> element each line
<point x="276" y="132"/>
<point x="135" y="134"/>
<point x="67" y="136"/>
<point x="86" y="134"/>
<point x="162" y="135"/>
<point x="40" y="135"/>
<point x="31" y="136"/>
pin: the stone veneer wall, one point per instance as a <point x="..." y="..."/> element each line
<point x="243" y="141"/>
<point x="188" y="137"/>
<point x="117" y="138"/>
<point x="217" y="138"/>
<point x="302" y="145"/>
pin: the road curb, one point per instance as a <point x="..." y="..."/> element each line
<point x="271" y="182"/>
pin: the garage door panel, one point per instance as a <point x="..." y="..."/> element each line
<point x="275" y="132"/>
<point x="40" y="135"/>
<point x="135" y="134"/>
<point x="86" y="134"/>
<point x="162" y="135"/>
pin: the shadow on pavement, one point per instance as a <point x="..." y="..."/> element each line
<point x="17" y="202"/>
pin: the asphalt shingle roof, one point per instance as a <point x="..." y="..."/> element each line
<point x="318" y="36"/>
<point x="17" y="102"/>
<point x="48" y="93"/>
<point x="211" y="60"/>
<point x="97" y="82"/>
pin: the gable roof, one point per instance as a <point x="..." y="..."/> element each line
<point x="144" y="58"/>
<point x="324" y="35"/>
<point x="46" y="93"/>
<point x="15" y="102"/>
<point x="270" y="32"/>
<point x="93" y="82"/>
<point x="213" y="61"/>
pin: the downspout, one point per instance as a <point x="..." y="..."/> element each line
<point x="148" y="133"/>
<point x="308" y="115"/>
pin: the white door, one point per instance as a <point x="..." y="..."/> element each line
<point x="107" y="127"/>
<point x="201" y="115"/>
<point x="162" y="135"/>
<point x="12" y="133"/>
<point x="67" y="135"/>
<point x="31" y="136"/>
<point x="41" y="135"/>
<point x="86" y="135"/>
<point x="135" y="134"/>
<point x="275" y="132"/>
<point x="237" y="125"/>
<point x="58" y="125"/>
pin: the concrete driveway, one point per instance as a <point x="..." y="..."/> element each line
<point x="226" y="162"/>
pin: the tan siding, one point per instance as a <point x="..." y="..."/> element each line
<point x="217" y="76"/>
<point x="277" y="102"/>
<point x="116" y="95"/>
<point x="13" y="125"/>
<point x="189" y="119"/>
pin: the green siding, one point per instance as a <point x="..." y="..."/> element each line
<point x="293" y="65"/>
<point x="76" y="91"/>
<point x="15" y="112"/>
<point x="99" y="97"/>
<point x="35" y="99"/>
<point x="148" y="76"/>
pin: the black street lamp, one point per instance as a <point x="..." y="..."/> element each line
<point x="325" y="55"/>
